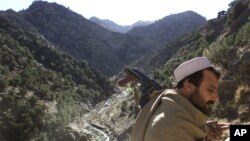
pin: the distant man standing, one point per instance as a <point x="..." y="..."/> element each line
<point x="180" y="115"/>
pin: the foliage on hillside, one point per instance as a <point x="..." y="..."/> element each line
<point x="26" y="89"/>
<point x="50" y="57"/>
<point x="190" y="47"/>
<point x="232" y="53"/>
<point x="41" y="88"/>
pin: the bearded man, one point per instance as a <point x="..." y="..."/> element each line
<point x="181" y="114"/>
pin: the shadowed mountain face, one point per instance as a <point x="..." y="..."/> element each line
<point x="105" y="50"/>
<point x="170" y="27"/>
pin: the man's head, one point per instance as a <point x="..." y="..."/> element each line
<point x="198" y="81"/>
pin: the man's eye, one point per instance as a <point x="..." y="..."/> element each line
<point x="210" y="90"/>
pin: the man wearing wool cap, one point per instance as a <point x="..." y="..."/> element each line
<point x="180" y="114"/>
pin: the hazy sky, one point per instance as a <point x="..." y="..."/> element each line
<point x="125" y="12"/>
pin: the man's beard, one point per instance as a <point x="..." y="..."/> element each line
<point x="200" y="103"/>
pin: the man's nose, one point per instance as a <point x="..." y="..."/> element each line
<point x="216" y="97"/>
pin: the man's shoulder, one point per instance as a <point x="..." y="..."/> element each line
<point x="173" y="95"/>
<point x="169" y="92"/>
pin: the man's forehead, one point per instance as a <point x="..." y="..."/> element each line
<point x="210" y="78"/>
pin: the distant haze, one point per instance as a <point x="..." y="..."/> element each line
<point x="110" y="25"/>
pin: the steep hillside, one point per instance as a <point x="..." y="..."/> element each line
<point x="191" y="44"/>
<point x="104" y="50"/>
<point x="170" y="27"/>
<point x="157" y="59"/>
<point x="41" y="89"/>
<point x="46" y="53"/>
<point x="110" y="25"/>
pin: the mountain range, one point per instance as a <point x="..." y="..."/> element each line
<point x="104" y="50"/>
<point x="112" y="26"/>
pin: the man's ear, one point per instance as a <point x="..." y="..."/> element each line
<point x="189" y="87"/>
